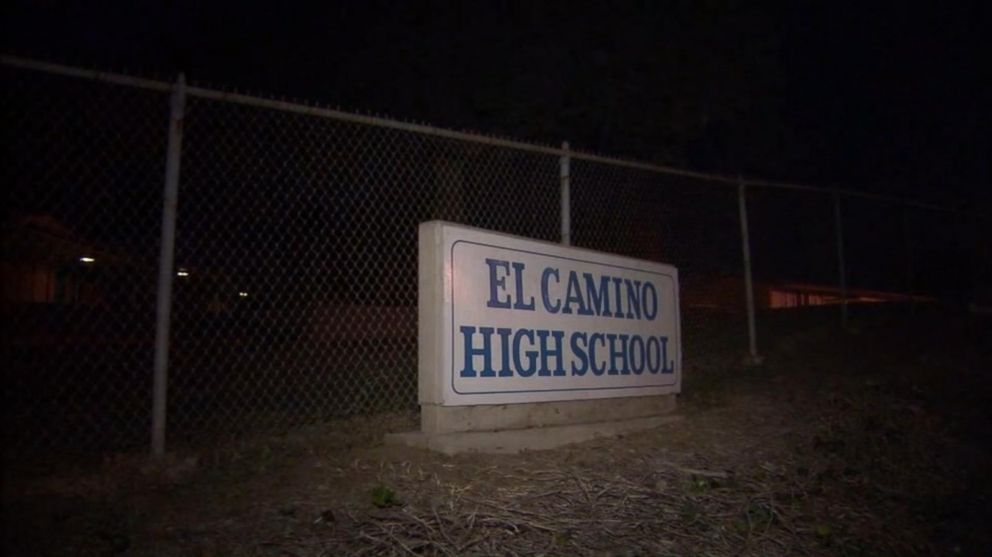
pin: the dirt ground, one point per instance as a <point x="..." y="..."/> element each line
<point x="874" y="441"/>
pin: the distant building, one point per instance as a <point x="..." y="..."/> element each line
<point x="726" y="293"/>
<point x="43" y="263"/>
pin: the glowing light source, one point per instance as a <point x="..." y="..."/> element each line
<point x="243" y="294"/>
<point x="87" y="259"/>
<point x="182" y="272"/>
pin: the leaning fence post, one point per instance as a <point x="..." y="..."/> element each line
<point x="752" y="334"/>
<point x="566" y="195"/>
<point x="839" y="233"/>
<point x="177" y="108"/>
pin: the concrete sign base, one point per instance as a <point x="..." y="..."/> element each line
<point x="511" y="428"/>
<point x="530" y="345"/>
<point x="436" y="419"/>
<point x="529" y="439"/>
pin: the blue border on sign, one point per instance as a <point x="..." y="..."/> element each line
<point x="678" y="340"/>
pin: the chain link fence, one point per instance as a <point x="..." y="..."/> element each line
<point x="82" y="167"/>
<point x="295" y="283"/>
<point x="690" y="223"/>
<point x="297" y="239"/>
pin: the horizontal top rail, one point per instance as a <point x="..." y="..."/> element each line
<point x="845" y="192"/>
<point x="70" y="71"/>
<point x="433" y="131"/>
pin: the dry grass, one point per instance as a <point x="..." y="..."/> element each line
<point x="865" y="444"/>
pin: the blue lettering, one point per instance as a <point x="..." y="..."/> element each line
<point x="669" y="364"/>
<point x="654" y="364"/>
<point x="621" y="353"/>
<point x="617" y="283"/>
<point x="471" y="352"/>
<point x="592" y="353"/>
<point x="557" y="353"/>
<point x="497" y="281"/>
<point x="633" y="299"/>
<point x="650" y="308"/>
<point x="504" y="344"/>
<point x="531" y="354"/>
<point x="545" y="296"/>
<point x="580" y="353"/>
<point x="519" y="270"/>
<point x="599" y="301"/>
<point x="574" y="295"/>
<point x="636" y="365"/>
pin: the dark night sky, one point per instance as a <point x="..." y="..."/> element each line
<point x="884" y="98"/>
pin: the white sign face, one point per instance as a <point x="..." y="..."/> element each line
<point x="516" y="320"/>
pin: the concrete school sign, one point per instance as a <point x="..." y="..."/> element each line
<point x="516" y="334"/>
<point x="507" y="320"/>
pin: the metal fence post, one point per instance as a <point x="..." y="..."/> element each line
<point x="177" y="108"/>
<point x="839" y="231"/>
<point x="752" y="333"/>
<point x="566" y="196"/>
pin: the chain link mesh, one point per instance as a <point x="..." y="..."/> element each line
<point x="940" y="261"/>
<point x="83" y="164"/>
<point x="877" y="256"/>
<point x="692" y="224"/>
<point x="296" y="256"/>
<point x="298" y="239"/>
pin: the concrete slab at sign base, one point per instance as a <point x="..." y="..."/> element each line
<point x="530" y="439"/>
<point x="435" y="419"/>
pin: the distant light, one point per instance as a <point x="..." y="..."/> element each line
<point x="243" y="294"/>
<point x="87" y="259"/>
<point x="182" y="273"/>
